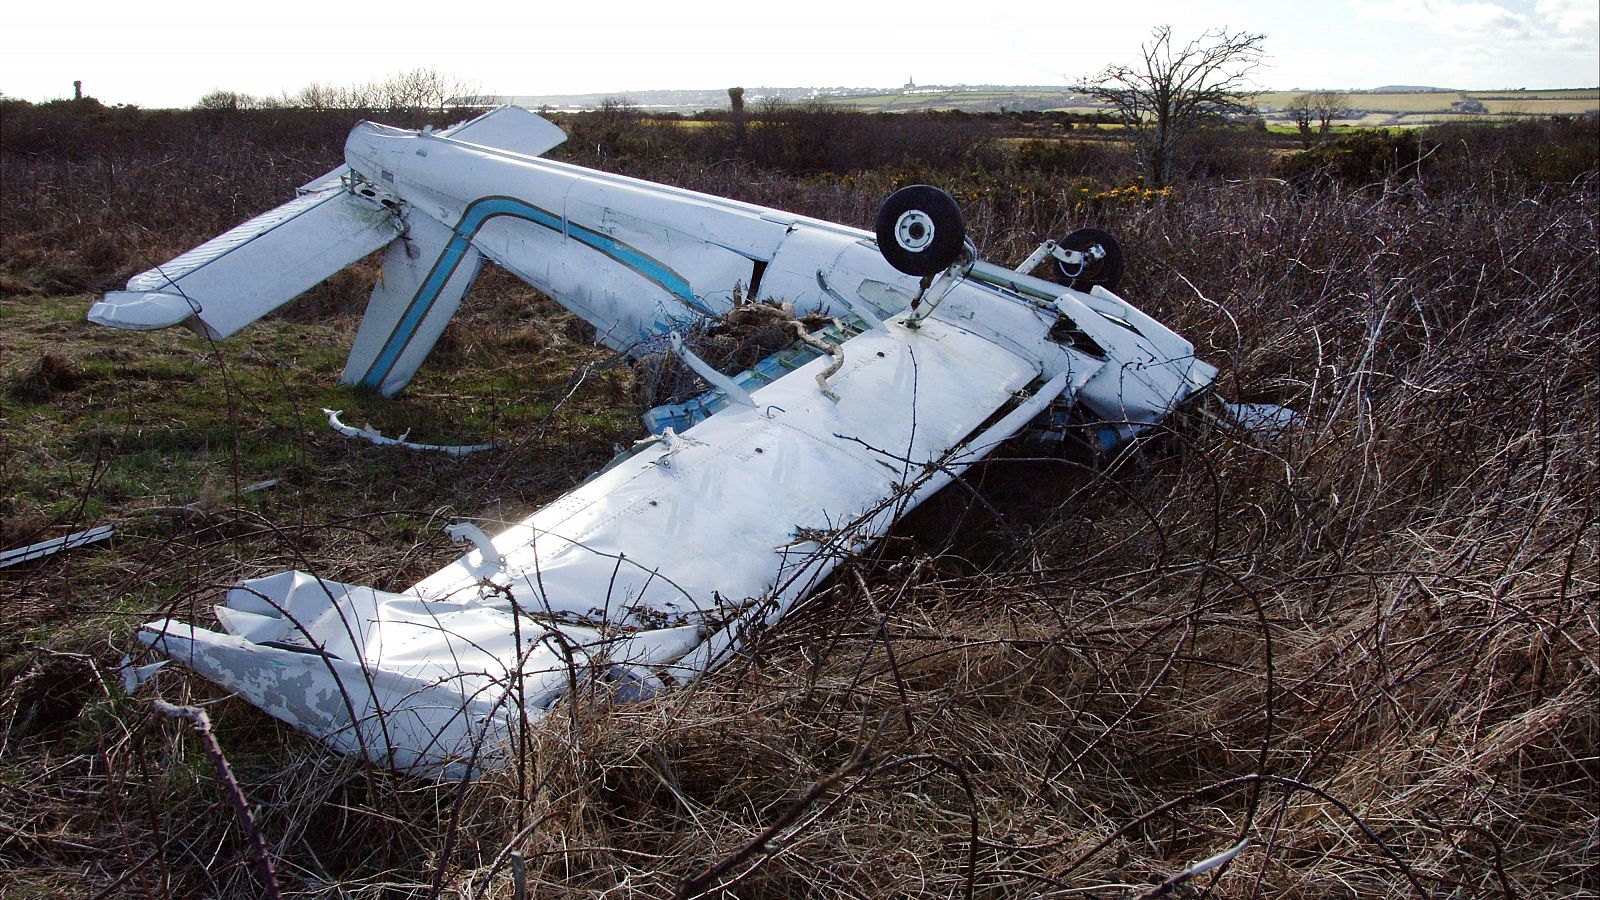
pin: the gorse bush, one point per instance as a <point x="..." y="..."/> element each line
<point x="1361" y="157"/>
<point x="1559" y="150"/>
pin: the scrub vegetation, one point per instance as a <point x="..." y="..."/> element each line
<point x="1369" y="646"/>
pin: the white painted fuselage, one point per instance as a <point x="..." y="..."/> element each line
<point x="675" y="557"/>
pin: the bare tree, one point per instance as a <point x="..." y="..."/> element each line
<point x="1319" y="109"/>
<point x="418" y="89"/>
<point x="227" y="100"/>
<point x="315" y="95"/>
<point x="1172" y="93"/>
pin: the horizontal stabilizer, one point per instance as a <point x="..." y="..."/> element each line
<point x="240" y="276"/>
<point x="509" y="128"/>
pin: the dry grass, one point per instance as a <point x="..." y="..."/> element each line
<point x="1371" y="646"/>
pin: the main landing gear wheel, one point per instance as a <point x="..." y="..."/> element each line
<point x="1105" y="271"/>
<point x="921" y="230"/>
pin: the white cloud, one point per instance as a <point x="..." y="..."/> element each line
<point x="1563" y="21"/>
<point x="1577" y="18"/>
<point x="1452" y="16"/>
<point x="1479" y="42"/>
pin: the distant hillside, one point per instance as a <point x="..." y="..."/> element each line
<point x="684" y="101"/>
<point x="973" y="98"/>
<point x="1387" y="105"/>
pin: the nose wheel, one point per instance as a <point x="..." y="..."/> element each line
<point x="920" y="230"/>
<point x="1092" y="257"/>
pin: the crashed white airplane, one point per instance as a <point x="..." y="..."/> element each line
<point x="670" y="560"/>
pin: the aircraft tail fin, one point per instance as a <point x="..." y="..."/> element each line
<point x="425" y="275"/>
<point x="251" y="270"/>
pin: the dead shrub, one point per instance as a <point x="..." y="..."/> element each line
<point x="104" y="254"/>
<point x="49" y="375"/>
<point x="21" y="527"/>
<point x="534" y="338"/>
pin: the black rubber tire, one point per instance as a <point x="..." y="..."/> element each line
<point x="930" y="209"/>
<point x="1106" y="272"/>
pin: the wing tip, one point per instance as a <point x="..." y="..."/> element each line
<point x="141" y="310"/>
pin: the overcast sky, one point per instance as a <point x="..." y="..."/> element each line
<point x="170" y="53"/>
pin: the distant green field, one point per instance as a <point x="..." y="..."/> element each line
<point x="1563" y="94"/>
<point x="1369" y="108"/>
<point x="1562" y="102"/>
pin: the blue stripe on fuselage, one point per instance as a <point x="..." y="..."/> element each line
<point x="481" y="211"/>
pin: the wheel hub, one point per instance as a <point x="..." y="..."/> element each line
<point x="913" y="230"/>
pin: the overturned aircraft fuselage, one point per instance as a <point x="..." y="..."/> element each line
<point x="673" y="558"/>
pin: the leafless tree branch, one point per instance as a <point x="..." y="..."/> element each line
<point x="1172" y="92"/>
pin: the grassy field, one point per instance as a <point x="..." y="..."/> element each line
<point x="1369" y="646"/>
<point x="1563" y="102"/>
<point x="967" y="101"/>
<point x="1364" y="104"/>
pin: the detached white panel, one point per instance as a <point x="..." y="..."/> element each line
<point x="240" y="276"/>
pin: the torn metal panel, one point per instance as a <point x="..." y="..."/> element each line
<point x="665" y="552"/>
<point x="1265" y="419"/>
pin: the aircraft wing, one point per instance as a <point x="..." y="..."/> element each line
<point x="655" y="570"/>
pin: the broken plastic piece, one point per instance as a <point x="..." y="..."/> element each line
<point x="466" y="531"/>
<point x="133" y="676"/>
<point x="1265" y="419"/>
<point x="371" y="434"/>
<point x="54" y="545"/>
